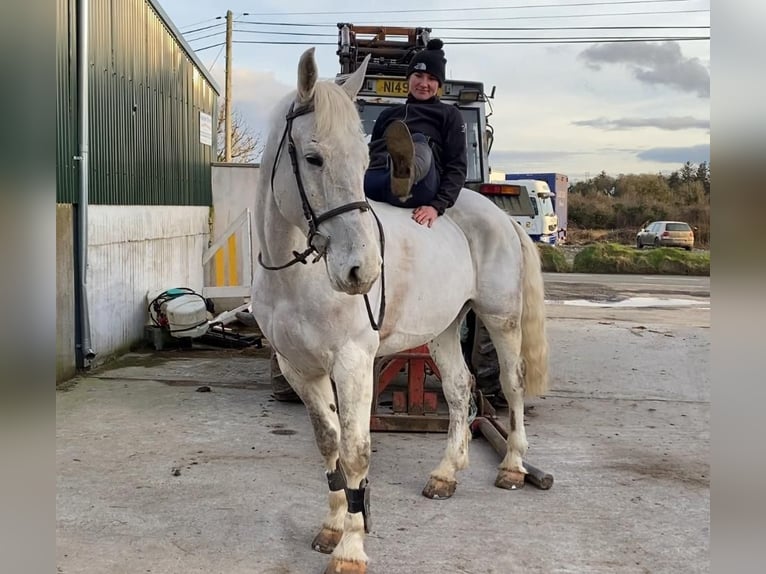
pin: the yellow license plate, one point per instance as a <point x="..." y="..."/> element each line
<point x="391" y="87"/>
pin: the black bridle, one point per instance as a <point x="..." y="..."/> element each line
<point x="315" y="241"/>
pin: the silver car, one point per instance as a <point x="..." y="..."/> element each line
<point x="666" y="234"/>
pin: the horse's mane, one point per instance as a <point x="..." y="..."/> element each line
<point x="335" y="119"/>
<point x="335" y="114"/>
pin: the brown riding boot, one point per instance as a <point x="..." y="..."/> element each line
<point x="402" y="151"/>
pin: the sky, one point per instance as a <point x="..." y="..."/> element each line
<point x="571" y="108"/>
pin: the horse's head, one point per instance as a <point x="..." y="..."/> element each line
<point x="318" y="177"/>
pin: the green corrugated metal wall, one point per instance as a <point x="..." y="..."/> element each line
<point x="146" y="95"/>
<point x="66" y="102"/>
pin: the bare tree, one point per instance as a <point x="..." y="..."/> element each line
<point x="246" y="146"/>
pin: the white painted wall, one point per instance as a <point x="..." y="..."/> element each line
<point x="234" y="189"/>
<point x="132" y="250"/>
<point x="65" y="294"/>
<point x="135" y="249"/>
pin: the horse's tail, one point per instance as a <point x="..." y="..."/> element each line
<point x="534" y="343"/>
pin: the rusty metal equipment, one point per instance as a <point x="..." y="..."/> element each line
<point x="414" y="409"/>
<point x="489" y="427"/>
<point x="391" y="47"/>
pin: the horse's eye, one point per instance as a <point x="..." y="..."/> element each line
<point x="315" y="159"/>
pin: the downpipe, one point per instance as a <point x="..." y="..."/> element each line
<point x="84" y="347"/>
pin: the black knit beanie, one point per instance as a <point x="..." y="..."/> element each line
<point x="430" y="60"/>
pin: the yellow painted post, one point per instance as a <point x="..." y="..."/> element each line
<point x="232" y="243"/>
<point x="219" y="267"/>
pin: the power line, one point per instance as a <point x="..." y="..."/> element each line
<point x="458" y="40"/>
<point x="538" y="28"/>
<point x="333" y="35"/>
<point x="204" y="28"/>
<point x="496" y="18"/>
<point x="201" y="22"/>
<point x="468" y="9"/>
<point x="476" y="38"/>
<point x="208" y="47"/>
<point x="206" y="36"/>
<point x="508" y="29"/>
<point x="603" y="14"/>
<point x="218" y="55"/>
<point x="507" y="41"/>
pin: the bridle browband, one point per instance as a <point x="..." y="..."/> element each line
<point x="315" y="241"/>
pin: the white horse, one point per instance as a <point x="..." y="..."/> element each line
<point x="311" y="206"/>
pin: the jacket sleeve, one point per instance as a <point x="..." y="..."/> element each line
<point x="454" y="166"/>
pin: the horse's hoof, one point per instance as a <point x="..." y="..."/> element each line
<point x="326" y="541"/>
<point x="509" y="479"/>
<point x="438" y="488"/>
<point x="338" y="566"/>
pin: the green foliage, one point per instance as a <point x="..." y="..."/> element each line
<point x="629" y="201"/>
<point x="552" y="259"/>
<point x="615" y="258"/>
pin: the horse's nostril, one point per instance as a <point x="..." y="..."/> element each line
<point x="353" y="275"/>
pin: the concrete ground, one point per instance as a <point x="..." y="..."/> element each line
<point x="157" y="477"/>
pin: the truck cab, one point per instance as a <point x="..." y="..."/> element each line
<point x="543" y="224"/>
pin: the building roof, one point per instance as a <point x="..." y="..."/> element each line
<point x="185" y="45"/>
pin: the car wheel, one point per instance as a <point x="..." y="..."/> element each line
<point x="688" y="248"/>
<point x="639" y="245"/>
<point x="656" y="241"/>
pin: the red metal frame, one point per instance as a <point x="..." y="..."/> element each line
<point x="414" y="409"/>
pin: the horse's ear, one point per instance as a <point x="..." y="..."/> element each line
<point x="354" y="82"/>
<point x="307" y="76"/>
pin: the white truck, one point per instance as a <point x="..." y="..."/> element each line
<point x="528" y="201"/>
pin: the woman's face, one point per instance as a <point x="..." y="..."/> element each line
<point x="423" y="85"/>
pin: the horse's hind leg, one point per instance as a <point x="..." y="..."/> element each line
<point x="456" y="384"/>
<point x="319" y="399"/>
<point x="506" y="335"/>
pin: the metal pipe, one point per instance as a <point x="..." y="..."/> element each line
<point x="497" y="437"/>
<point x="86" y="352"/>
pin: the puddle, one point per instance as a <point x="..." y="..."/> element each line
<point x="637" y="302"/>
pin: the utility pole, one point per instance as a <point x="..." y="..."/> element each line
<point x="227" y="96"/>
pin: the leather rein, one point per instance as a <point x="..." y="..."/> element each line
<point x="316" y="243"/>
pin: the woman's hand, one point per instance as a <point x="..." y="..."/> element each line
<point x="425" y="215"/>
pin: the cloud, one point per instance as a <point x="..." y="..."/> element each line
<point x="533" y="160"/>
<point x="668" y="123"/>
<point x="677" y="155"/>
<point x="654" y="64"/>
<point x="255" y="93"/>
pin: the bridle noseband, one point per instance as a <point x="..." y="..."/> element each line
<point x="315" y="241"/>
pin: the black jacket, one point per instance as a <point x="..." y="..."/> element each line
<point x="444" y="126"/>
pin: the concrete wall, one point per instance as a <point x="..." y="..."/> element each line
<point x="135" y="249"/>
<point x="234" y="189"/>
<point x="65" y="319"/>
<point x="132" y="250"/>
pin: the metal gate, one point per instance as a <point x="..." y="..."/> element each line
<point x="228" y="262"/>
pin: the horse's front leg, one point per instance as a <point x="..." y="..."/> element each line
<point x="456" y="384"/>
<point x="317" y="395"/>
<point x="352" y="373"/>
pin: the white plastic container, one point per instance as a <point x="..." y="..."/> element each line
<point x="187" y="316"/>
<point x="181" y="311"/>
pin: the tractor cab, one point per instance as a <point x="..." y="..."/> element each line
<point x="391" y="50"/>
